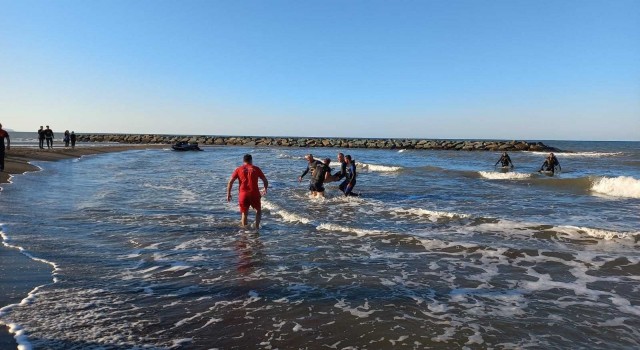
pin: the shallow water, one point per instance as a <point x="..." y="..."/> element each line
<point x="439" y="251"/>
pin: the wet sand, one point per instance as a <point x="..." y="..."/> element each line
<point x="19" y="274"/>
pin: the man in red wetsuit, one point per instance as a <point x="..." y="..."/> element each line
<point x="249" y="195"/>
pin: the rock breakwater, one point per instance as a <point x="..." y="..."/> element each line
<point x="457" y="145"/>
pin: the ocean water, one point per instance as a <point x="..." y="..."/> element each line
<point x="439" y="251"/>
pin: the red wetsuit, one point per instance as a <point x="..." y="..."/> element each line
<point x="249" y="193"/>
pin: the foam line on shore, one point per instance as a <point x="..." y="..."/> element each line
<point x="15" y="329"/>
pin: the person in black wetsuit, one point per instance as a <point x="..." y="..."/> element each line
<point x="321" y="174"/>
<point x="73" y="139"/>
<point x="550" y="164"/>
<point x="343" y="169"/>
<point x="347" y="185"/>
<point x="505" y="160"/>
<point x="48" y="135"/>
<point x="41" y="137"/>
<point x="311" y="166"/>
<point x="3" y="135"/>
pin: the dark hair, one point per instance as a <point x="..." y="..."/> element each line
<point x="247" y="158"/>
<point x="348" y="156"/>
<point x="341" y="154"/>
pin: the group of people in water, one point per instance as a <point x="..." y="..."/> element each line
<point x="549" y="165"/>
<point x="249" y="195"/>
<point x="48" y="136"/>
<point x="321" y="173"/>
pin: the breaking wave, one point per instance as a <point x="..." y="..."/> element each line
<point x="492" y="175"/>
<point x="621" y="186"/>
<point x="379" y="168"/>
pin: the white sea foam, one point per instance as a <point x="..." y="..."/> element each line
<point x="598" y="233"/>
<point x="285" y="215"/>
<point x="358" y="231"/>
<point x="492" y="175"/>
<point x="379" y="168"/>
<point x="621" y="186"/>
<point x="582" y="154"/>
<point x="433" y="215"/>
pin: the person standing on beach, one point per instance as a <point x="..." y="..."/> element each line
<point x="3" y="135"/>
<point x="66" y="138"/>
<point x="41" y="137"/>
<point x="48" y="135"/>
<point x="249" y="194"/>
<point x="73" y="138"/>
<point x="347" y="185"/>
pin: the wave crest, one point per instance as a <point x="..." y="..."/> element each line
<point x="492" y="175"/>
<point x="379" y="168"/>
<point x="621" y="186"/>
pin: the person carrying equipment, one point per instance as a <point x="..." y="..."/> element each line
<point x="505" y="160"/>
<point x="550" y="164"/>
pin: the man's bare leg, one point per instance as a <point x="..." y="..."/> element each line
<point x="258" y="218"/>
<point x="243" y="220"/>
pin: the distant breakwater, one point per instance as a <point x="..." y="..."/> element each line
<point x="456" y="145"/>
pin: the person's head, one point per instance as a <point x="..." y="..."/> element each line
<point x="73" y="132"/>
<point x="47" y="126"/>
<point x="41" y="127"/>
<point x="504" y="154"/>
<point x="327" y="161"/>
<point x="309" y="157"/>
<point x="247" y="159"/>
<point x="340" y="157"/>
<point x="348" y="158"/>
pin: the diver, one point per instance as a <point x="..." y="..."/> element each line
<point x="313" y="163"/>
<point x="550" y="164"/>
<point x="347" y="185"/>
<point x="321" y="174"/>
<point x="505" y="160"/>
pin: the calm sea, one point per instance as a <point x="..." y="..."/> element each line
<point x="440" y="251"/>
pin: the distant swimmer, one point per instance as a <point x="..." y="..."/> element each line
<point x="505" y="160"/>
<point x="550" y="164"/>
<point x="249" y="194"/>
<point x="321" y="174"/>
<point x="350" y="178"/>
<point x="311" y="166"/>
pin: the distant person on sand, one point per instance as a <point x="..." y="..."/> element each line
<point x="321" y="174"/>
<point x="41" y="137"/>
<point x="550" y="164"/>
<point x="66" y="138"/>
<point x="249" y="194"/>
<point x="347" y="185"/>
<point x="73" y="138"/>
<point x="311" y="166"/>
<point x="48" y="135"/>
<point x="505" y="160"/>
<point x="3" y="135"/>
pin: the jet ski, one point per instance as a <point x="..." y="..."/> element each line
<point x="185" y="146"/>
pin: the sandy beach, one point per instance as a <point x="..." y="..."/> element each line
<point x="18" y="273"/>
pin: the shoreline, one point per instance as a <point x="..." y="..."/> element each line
<point x="20" y="274"/>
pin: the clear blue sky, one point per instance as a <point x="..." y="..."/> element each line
<point x="509" y="69"/>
